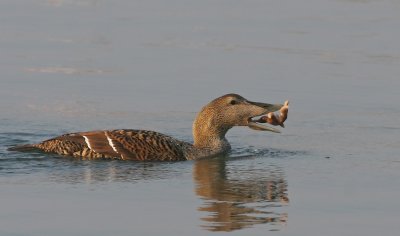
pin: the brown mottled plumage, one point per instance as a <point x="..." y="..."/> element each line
<point x="209" y="129"/>
<point x="117" y="144"/>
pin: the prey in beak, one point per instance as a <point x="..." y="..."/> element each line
<point x="272" y="117"/>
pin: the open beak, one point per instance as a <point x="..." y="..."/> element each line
<point x="266" y="108"/>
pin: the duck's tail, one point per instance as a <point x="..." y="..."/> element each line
<point x="23" y="148"/>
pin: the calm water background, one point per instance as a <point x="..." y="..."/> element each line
<point x="75" y="65"/>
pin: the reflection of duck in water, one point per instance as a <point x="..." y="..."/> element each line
<point x="241" y="199"/>
<point x="209" y="129"/>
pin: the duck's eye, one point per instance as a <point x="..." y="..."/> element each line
<point x="233" y="102"/>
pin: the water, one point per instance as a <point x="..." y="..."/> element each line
<point x="76" y="65"/>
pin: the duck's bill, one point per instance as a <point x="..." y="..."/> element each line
<point x="268" y="107"/>
<point x="260" y="127"/>
<point x="271" y="117"/>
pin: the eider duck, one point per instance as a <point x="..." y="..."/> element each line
<point x="209" y="129"/>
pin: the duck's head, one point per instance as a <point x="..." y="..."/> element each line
<point x="230" y="110"/>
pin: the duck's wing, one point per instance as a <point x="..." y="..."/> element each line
<point x="121" y="144"/>
<point x="146" y="145"/>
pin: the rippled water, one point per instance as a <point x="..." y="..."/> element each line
<point x="77" y="65"/>
<point x="242" y="190"/>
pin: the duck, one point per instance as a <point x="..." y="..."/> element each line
<point x="209" y="130"/>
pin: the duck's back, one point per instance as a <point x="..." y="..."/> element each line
<point x="126" y="144"/>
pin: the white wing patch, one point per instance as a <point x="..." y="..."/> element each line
<point x="87" y="142"/>
<point x="110" y="141"/>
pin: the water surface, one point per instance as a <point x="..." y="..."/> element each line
<point x="76" y="65"/>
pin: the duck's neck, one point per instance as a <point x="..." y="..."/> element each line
<point x="209" y="138"/>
